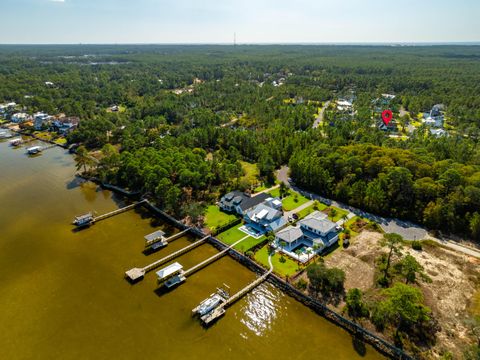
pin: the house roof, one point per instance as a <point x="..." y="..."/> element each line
<point x="290" y="234"/>
<point x="318" y="221"/>
<point x="263" y="212"/>
<point x="244" y="201"/>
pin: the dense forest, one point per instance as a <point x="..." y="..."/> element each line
<point x="190" y="114"/>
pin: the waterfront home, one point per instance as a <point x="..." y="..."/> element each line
<point x="5" y="107"/>
<point x="41" y="120"/>
<point x="266" y="216"/>
<point x="239" y="202"/>
<point x="64" y="125"/>
<point x="19" y="118"/>
<point x="310" y="236"/>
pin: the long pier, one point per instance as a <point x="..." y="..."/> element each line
<point x="211" y="259"/>
<point x="116" y="212"/>
<point x="220" y="310"/>
<point x="138" y="273"/>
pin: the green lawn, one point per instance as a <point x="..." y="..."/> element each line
<point x="232" y="235"/>
<point x="289" y="202"/>
<point x="288" y="268"/>
<point x="61" y="141"/>
<point x="308" y="210"/>
<point x="251" y="172"/>
<point x="339" y="214"/>
<point x="214" y="217"/>
<point x="249" y="243"/>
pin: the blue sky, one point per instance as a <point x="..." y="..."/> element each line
<point x="254" y="21"/>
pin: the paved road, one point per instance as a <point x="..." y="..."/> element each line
<point x="287" y="214"/>
<point x="406" y="229"/>
<point x="266" y="190"/>
<point x="319" y="119"/>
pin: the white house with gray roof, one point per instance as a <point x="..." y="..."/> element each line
<point x="309" y="237"/>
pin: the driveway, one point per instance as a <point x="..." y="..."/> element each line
<point x="406" y="229"/>
<point x="319" y="119"/>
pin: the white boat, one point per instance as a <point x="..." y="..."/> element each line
<point x="83" y="220"/>
<point x="211" y="303"/>
<point x="15" y="142"/>
<point x="34" y="150"/>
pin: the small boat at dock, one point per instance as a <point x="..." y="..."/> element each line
<point x="84" y="220"/>
<point x="211" y="303"/>
<point x="34" y="150"/>
<point x="16" y="142"/>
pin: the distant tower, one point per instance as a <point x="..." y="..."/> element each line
<point x="234" y="39"/>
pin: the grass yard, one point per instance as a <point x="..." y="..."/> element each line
<point x="44" y="135"/>
<point x="232" y="235"/>
<point x="249" y="243"/>
<point x="308" y="210"/>
<point x="289" y="202"/>
<point x="288" y="268"/>
<point x="214" y="217"/>
<point x="338" y="216"/>
<point x="251" y="172"/>
<point x="61" y="141"/>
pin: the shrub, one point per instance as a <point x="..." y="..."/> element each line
<point x="301" y="284"/>
<point x="417" y="245"/>
<point x="282" y="259"/>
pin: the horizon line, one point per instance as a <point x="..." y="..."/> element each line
<point x="358" y="43"/>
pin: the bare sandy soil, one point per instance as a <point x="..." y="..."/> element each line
<point x="455" y="279"/>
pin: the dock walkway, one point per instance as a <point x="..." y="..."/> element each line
<point x="138" y="273"/>
<point x="211" y="259"/>
<point x="116" y="212"/>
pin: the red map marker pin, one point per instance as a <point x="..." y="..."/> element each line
<point x="387" y="116"/>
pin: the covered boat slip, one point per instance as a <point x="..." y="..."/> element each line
<point x="171" y="275"/>
<point x="156" y="239"/>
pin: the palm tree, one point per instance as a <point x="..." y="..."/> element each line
<point x="83" y="159"/>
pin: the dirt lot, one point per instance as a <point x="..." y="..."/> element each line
<point x="455" y="279"/>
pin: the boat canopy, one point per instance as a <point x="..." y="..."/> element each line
<point x="169" y="271"/>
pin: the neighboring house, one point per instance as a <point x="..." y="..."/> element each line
<point x="438" y="132"/>
<point x="266" y="216"/>
<point x="239" y="202"/>
<point x="40" y="120"/>
<point x="309" y="237"/>
<point x="435" y="117"/>
<point x="344" y="105"/>
<point x="66" y="124"/>
<point x="392" y="126"/>
<point x="20" y="118"/>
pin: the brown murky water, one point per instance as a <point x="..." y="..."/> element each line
<point x="63" y="295"/>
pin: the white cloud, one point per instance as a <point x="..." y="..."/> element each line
<point x="57" y="1"/>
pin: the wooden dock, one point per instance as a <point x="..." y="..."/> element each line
<point x="136" y="274"/>
<point x="116" y="212"/>
<point x="219" y="311"/>
<point x="211" y="259"/>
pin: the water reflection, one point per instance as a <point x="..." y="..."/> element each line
<point x="260" y="310"/>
